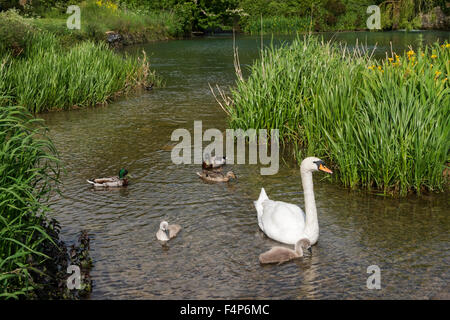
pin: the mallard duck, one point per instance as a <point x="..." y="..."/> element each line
<point x="117" y="181"/>
<point x="167" y="231"/>
<point x="213" y="162"/>
<point x="216" y="176"/>
<point x="282" y="254"/>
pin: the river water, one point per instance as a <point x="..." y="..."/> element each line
<point x="216" y="253"/>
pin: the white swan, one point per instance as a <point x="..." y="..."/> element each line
<point x="285" y="222"/>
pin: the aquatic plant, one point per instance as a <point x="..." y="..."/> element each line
<point x="51" y="77"/>
<point x="384" y="125"/>
<point x="29" y="172"/>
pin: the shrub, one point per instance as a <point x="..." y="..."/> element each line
<point x="14" y="32"/>
<point x="335" y="7"/>
<point x="384" y="125"/>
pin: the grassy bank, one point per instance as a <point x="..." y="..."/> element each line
<point x="149" y="20"/>
<point x="384" y="125"/>
<point x="97" y="17"/>
<point x="292" y="25"/>
<point x="41" y="74"/>
<point x="290" y="17"/>
<point x="29" y="171"/>
<point x="33" y="259"/>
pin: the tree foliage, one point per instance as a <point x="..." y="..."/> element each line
<point x="201" y="15"/>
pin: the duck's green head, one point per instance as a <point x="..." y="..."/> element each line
<point x="122" y="173"/>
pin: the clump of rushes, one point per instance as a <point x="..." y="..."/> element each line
<point x="384" y="125"/>
<point x="50" y="77"/>
<point x="29" y="171"/>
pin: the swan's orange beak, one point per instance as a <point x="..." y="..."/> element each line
<point x="325" y="169"/>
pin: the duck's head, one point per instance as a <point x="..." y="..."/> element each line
<point x="312" y="164"/>
<point x="231" y="175"/>
<point x="122" y="173"/>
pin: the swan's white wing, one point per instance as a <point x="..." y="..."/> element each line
<point x="282" y="221"/>
<point x="260" y="223"/>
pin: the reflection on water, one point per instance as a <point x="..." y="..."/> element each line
<point x="216" y="253"/>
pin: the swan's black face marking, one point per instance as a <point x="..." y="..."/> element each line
<point x="322" y="167"/>
<point x="318" y="163"/>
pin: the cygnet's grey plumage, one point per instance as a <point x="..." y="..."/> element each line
<point x="173" y="230"/>
<point x="283" y="254"/>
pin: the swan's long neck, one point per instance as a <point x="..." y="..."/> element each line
<point x="311" y="223"/>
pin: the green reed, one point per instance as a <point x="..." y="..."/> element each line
<point x="383" y="125"/>
<point x="29" y="171"/>
<point x="47" y="76"/>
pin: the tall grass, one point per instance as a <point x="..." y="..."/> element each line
<point x="384" y="125"/>
<point x="154" y="25"/>
<point x="29" y="171"/>
<point x="48" y="76"/>
<point x="97" y="19"/>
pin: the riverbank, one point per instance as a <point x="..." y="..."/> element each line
<point x="381" y="124"/>
<point x="135" y="23"/>
<point x="33" y="259"/>
<point x="39" y="72"/>
<point x="99" y="17"/>
<point x="274" y="17"/>
<point x="46" y="67"/>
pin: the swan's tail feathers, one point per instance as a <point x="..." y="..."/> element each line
<point x="259" y="207"/>
<point x="262" y="196"/>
